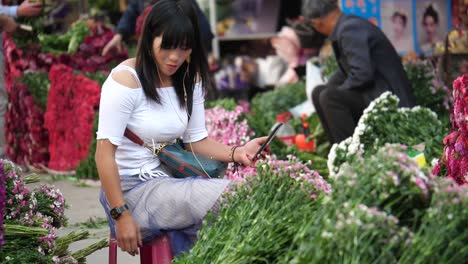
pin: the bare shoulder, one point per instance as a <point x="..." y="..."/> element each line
<point x="129" y="62"/>
<point x="124" y="77"/>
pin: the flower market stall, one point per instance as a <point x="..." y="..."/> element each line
<point x="43" y="89"/>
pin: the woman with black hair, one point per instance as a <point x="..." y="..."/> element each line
<point x="159" y="95"/>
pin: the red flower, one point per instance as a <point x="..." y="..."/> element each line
<point x="69" y="117"/>
<point x="27" y="140"/>
<point x="455" y="157"/>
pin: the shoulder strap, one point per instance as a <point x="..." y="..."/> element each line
<point x="133" y="137"/>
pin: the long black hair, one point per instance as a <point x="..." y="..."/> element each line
<point x="176" y="21"/>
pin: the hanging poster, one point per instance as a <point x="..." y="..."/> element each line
<point x="397" y="24"/>
<point x="368" y="9"/>
<point x="432" y="19"/>
<point x="244" y="17"/>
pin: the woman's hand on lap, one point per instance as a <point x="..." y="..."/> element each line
<point x="128" y="234"/>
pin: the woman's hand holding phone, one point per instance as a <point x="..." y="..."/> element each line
<point x="265" y="146"/>
<point x="255" y="148"/>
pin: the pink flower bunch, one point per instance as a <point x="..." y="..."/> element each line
<point x="455" y="156"/>
<point x="448" y="192"/>
<point x="17" y="194"/>
<point x="226" y="127"/>
<point x="359" y="220"/>
<point x="44" y="207"/>
<point x="389" y="179"/>
<point x="309" y="179"/>
<point x="51" y="203"/>
<point x="47" y="243"/>
<point x="64" y="260"/>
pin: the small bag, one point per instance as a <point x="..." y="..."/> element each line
<point x="181" y="163"/>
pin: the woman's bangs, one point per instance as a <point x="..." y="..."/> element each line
<point x="178" y="33"/>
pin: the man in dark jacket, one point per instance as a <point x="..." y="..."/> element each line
<point x="368" y="66"/>
<point x="126" y="26"/>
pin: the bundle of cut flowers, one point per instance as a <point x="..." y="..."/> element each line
<point x="228" y="127"/>
<point x="259" y="219"/>
<point x="383" y="122"/>
<point x="292" y="166"/>
<point x="389" y="180"/>
<point x="31" y="219"/>
<point x="428" y="89"/>
<point x="27" y="139"/>
<point x="455" y="155"/>
<point x="349" y="232"/>
<point x="443" y="236"/>
<point x="69" y="117"/>
<point x="87" y="57"/>
<point x="67" y="42"/>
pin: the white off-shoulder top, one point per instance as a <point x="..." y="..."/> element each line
<point x="122" y="107"/>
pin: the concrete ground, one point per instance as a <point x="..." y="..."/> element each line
<point x="83" y="201"/>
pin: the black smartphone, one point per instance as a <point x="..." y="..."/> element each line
<point x="268" y="141"/>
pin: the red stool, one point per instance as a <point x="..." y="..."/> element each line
<point x="157" y="251"/>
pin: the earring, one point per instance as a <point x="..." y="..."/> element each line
<point x="188" y="59"/>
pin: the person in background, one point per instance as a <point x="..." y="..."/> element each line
<point x="368" y="66"/>
<point x="430" y="24"/>
<point x="159" y="96"/>
<point x="8" y="24"/>
<point x="126" y="25"/>
<point x="287" y="46"/>
<point x="25" y="9"/>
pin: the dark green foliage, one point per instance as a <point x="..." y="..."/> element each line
<point x="65" y="43"/>
<point x="257" y="224"/>
<point x="87" y="168"/>
<point x="99" y="77"/>
<point x="226" y="103"/>
<point x="266" y="106"/>
<point x="38" y="85"/>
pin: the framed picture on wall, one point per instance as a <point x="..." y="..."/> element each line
<point x="397" y="24"/>
<point x="432" y="23"/>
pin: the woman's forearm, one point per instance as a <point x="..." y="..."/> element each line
<point x="108" y="173"/>
<point x="212" y="149"/>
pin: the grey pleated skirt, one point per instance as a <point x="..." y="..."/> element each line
<point x="167" y="203"/>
